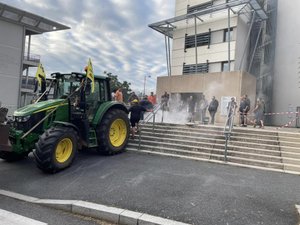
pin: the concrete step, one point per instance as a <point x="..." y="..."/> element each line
<point x="190" y="133"/>
<point x="177" y="144"/>
<point x="184" y="129"/>
<point x="204" y="151"/>
<point x="203" y="142"/>
<point x="254" y="145"/>
<point x="289" y="144"/>
<point x="246" y="139"/>
<point x="207" y="156"/>
<point x="289" y="149"/>
<point x="291" y="168"/>
<point x="166" y="137"/>
<point x="262" y="148"/>
<point x="295" y="135"/>
<point x="219" y="131"/>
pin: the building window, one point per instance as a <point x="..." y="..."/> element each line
<point x="225" y="66"/>
<point x="228" y="35"/>
<point x="202" y="39"/>
<point x="199" y="7"/>
<point x="191" y="68"/>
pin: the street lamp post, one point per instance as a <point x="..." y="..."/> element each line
<point x="145" y="78"/>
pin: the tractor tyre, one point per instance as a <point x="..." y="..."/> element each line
<point x="12" y="156"/>
<point x="56" y="149"/>
<point x="113" y="132"/>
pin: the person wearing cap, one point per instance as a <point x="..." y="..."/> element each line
<point x="132" y="97"/>
<point x="135" y="115"/>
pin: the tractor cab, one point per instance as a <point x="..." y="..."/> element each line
<point x="77" y="88"/>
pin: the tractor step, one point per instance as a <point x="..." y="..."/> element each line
<point x="92" y="139"/>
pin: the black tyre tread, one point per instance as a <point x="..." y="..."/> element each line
<point x="12" y="156"/>
<point x="103" y="132"/>
<point x="45" y="146"/>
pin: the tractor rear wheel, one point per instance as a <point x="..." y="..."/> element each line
<point x="56" y="149"/>
<point x="113" y="132"/>
<point x="12" y="156"/>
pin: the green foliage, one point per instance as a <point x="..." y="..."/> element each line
<point x="115" y="84"/>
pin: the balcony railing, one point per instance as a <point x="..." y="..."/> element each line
<point x="32" y="57"/>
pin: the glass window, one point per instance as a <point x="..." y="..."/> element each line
<point x="103" y="89"/>
<point x="225" y="67"/>
<point x="228" y="36"/>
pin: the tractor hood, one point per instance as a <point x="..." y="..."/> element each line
<point x="39" y="107"/>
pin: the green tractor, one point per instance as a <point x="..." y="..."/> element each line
<point x="76" y="117"/>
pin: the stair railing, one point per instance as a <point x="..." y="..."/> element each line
<point x="150" y="115"/>
<point x="228" y="129"/>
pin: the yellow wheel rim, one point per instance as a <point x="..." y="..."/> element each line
<point x="64" y="150"/>
<point x="118" y="132"/>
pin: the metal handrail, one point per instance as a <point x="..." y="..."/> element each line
<point x="228" y="129"/>
<point x="146" y="120"/>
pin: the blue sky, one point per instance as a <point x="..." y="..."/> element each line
<point x="113" y="33"/>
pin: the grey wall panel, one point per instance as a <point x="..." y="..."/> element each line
<point x="286" y="89"/>
<point x="11" y="53"/>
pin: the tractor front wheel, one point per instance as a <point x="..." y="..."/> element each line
<point x="56" y="149"/>
<point x="113" y="132"/>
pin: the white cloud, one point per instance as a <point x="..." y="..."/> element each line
<point x="113" y="33"/>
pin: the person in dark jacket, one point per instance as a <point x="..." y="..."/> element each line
<point x="132" y="97"/>
<point x="242" y="110"/>
<point x="212" y="109"/>
<point x="135" y="115"/>
<point x="146" y="104"/>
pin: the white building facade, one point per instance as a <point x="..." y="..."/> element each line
<point x="17" y="26"/>
<point x="238" y="42"/>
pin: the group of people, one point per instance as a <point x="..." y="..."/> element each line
<point x="138" y="108"/>
<point x="212" y="108"/>
<point x="244" y="109"/>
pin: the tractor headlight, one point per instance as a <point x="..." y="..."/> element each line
<point x="21" y="119"/>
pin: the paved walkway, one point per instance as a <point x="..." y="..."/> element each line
<point x="183" y="190"/>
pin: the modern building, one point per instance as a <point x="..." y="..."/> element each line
<point x="237" y="43"/>
<point x="17" y="26"/>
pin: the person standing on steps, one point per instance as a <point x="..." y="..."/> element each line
<point x="191" y="109"/>
<point x="203" y="107"/>
<point x="248" y="104"/>
<point x="135" y="115"/>
<point x="242" y="110"/>
<point x="259" y="113"/>
<point x="231" y="107"/>
<point x="212" y="109"/>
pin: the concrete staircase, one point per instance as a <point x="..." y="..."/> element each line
<point x="248" y="147"/>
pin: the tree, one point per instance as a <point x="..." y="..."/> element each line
<point x="115" y="84"/>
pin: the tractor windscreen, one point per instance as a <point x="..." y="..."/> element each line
<point x="67" y="85"/>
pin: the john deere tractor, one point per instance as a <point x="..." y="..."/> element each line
<point x="79" y="115"/>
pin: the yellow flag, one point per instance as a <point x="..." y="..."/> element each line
<point x="90" y="74"/>
<point x="40" y="73"/>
